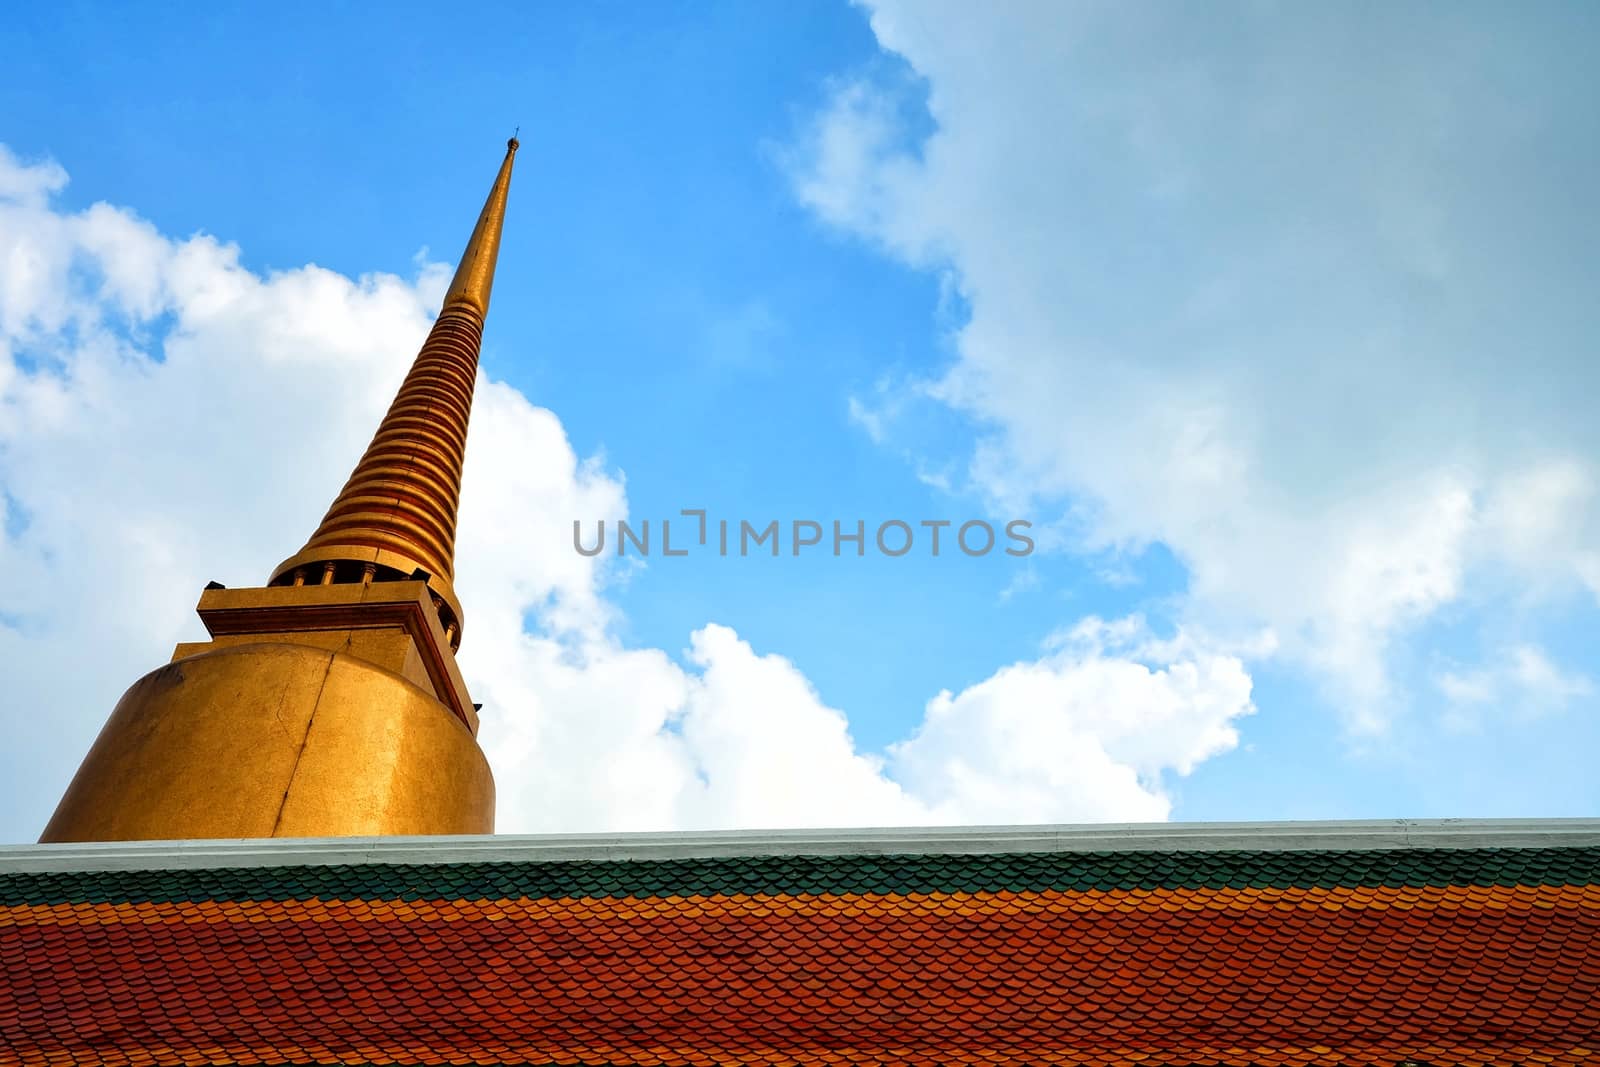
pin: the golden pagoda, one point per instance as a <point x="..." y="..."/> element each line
<point x="327" y="703"/>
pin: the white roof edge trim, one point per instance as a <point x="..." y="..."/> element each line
<point x="1363" y="835"/>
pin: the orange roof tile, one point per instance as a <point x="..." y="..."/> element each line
<point x="1487" y="956"/>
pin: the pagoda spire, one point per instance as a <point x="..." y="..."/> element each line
<point x="475" y="273"/>
<point x="395" y="519"/>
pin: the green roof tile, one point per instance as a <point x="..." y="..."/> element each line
<point x="814" y="875"/>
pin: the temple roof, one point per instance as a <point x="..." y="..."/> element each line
<point x="1457" y="942"/>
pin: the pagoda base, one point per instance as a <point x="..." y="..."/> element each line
<point x="332" y="731"/>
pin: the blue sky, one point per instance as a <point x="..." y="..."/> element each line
<point x="1276" y="322"/>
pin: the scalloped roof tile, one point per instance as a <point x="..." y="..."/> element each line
<point x="1447" y="949"/>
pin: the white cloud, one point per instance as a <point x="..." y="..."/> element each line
<point x="865" y="417"/>
<point x="1521" y="681"/>
<point x="167" y="417"/>
<point x="1306" y="298"/>
<point x="1540" y="521"/>
<point x="29" y="183"/>
<point x="852" y="171"/>
<point x="1089" y="730"/>
<point x="767" y="747"/>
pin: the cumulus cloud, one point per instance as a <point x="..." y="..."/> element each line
<point x="1089" y="730"/>
<point x="1305" y="298"/>
<point x="168" y="416"/>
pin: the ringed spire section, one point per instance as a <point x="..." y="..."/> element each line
<point x="396" y="516"/>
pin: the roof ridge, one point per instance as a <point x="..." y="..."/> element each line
<point x="1354" y="835"/>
